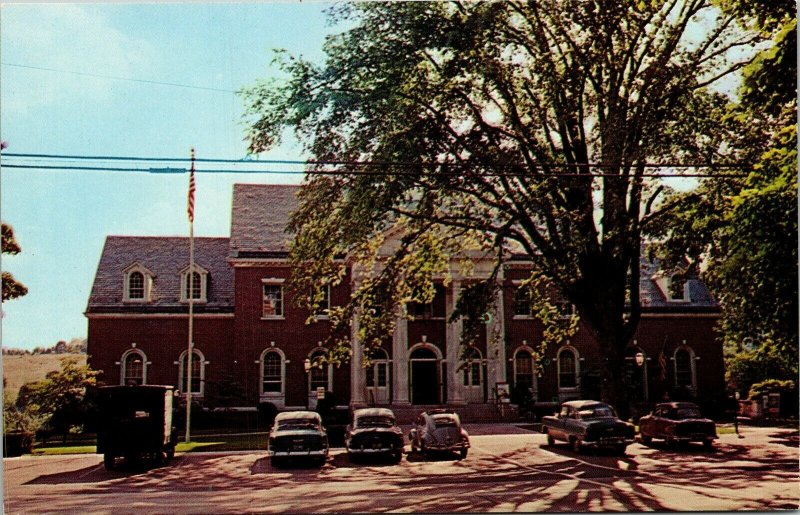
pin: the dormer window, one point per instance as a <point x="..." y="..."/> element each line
<point x="674" y="287"/>
<point x="194" y="286"/>
<point x="137" y="284"/>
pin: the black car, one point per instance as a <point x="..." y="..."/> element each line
<point x="374" y="431"/>
<point x="439" y="430"/>
<point x="298" y="435"/>
<point x="588" y="424"/>
<point x="677" y="422"/>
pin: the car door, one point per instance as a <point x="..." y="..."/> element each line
<point x="558" y="423"/>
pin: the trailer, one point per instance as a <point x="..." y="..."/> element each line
<point x="135" y="423"/>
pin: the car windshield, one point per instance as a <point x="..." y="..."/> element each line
<point x="682" y="413"/>
<point x="296" y="424"/>
<point x="596" y="412"/>
<point x="374" y="422"/>
<point x="444" y="421"/>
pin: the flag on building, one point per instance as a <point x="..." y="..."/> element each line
<point x="662" y="363"/>
<point x="191" y="191"/>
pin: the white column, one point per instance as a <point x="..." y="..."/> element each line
<point x="357" y="377"/>
<point x="400" y="362"/>
<point x="455" y="388"/>
<point x="496" y="344"/>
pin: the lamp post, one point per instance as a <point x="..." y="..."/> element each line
<point x="307" y="368"/>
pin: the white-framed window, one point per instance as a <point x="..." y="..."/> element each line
<point x="685" y="371"/>
<point x="133" y="368"/>
<point x="198" y="379"/>
<point x="472" y="374"/>
<point x="273" y="372"/>
<point x="272" y="296"/>
<point x="194" y="285"/>
<point x="523" y="305"/>
<point x="137" y="284"/>
<point x="567" y="361"/>
<point x="324" y="306"/>
<point x="565" y="308"/>
<point x="377" y="374"/>
<point x="319" y="375"/>
<point x="677" y="289"/>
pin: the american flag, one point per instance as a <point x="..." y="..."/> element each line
<point x="662" y="363"/>
<point x="191" y="190"/>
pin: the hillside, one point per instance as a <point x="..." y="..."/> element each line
<point x="18" y="370"/>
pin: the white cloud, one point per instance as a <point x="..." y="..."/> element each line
<point x="76" y="38"/>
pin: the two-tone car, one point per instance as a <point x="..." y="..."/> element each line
<point x="587" y="424"/>
<point x="439" y="430"/>
<point x="297" y="435"/>
<point x="677" y="422"/>
<point x="374" y="432"/>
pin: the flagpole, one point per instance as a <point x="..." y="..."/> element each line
<point x="190" y="284"/>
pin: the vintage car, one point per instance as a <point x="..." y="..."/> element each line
<point x="374" y="431"/>
<point x="439" y="430"/>
<point x="677" y="422"/>
<point x="297" y="435"/>
<point x="135" y="423"/>
<point x="588" y="424"/>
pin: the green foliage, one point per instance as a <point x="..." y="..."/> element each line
<point x="496" y="109"/>
<point x="770" y="386"/>
<point x="11" y="287"/>
<point x="744" y="369"/>
<point x="60" y="397"/>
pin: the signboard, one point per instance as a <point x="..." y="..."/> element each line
<point x="320" y="393"/>
<point x="503" y="393"/>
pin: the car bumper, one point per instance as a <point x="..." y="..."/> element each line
<point x="608" y="442"/>
<point x="447" y="448"/>
<point x="297" y="454"/>
<point x="695" y="438"/>
<point x="373" y="450"/>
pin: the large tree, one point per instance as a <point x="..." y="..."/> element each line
<point x="522" y="126"/>
<point x="11" y="287"/>
<point x="744" y="232"/>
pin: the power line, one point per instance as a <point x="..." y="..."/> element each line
<point x="100" y="76"/>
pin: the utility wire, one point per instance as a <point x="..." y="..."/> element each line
<point x="100" y="76"/>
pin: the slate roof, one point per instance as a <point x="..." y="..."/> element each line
<point x="653" y="299"/>
<point x="165" y="257"/>
<point x="259" y="216"/>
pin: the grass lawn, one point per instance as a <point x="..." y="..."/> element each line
<point x="211" y="442"/>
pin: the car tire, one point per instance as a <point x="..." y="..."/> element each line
<point x="463" y="454"/>
<point x="108" y="461"/>
<point x="576" y="445"/>
<point x="708" y="445"/>
<point x="397" y="457"/>
<point x="646" y="439"/>
<point x="277" y="463"/>
<point x="619" y="450"/>
<point x="550" y="440"/>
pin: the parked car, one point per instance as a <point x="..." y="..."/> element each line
<point x="135" y="423"/>
<point x="439" y="430"/>
<point x="374" y="431"/>
<point x="677" y="422"/>
<point x="297" y="435"/>
<point x="588" y="424"/>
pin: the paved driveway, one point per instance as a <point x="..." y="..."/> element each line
<point x="508" y="469"/>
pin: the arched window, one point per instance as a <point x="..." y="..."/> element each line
<point x="133" y="368"/>
<point x="197" y="383"/>
<point x="272" y="372"/>
<point x="136" y="285"/>
<point x="319" y="375"/>
<point x="567" y="368"/>
<point x="194" y="285"/>
<point x="523" y="369"/>
<point x="472" y="369"/>
<point x="684" y="367"/>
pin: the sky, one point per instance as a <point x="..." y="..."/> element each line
<point x="61" y="218"/>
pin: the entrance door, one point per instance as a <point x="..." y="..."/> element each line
<point x="424" y="377"/>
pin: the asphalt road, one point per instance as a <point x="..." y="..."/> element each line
<point x="508" y="469"/>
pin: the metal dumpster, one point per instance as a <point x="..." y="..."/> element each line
<point x="135" y="423"/>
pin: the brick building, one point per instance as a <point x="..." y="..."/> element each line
<point x="249" y="336"/>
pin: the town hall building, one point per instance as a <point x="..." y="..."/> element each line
<point x="252" y="345"/>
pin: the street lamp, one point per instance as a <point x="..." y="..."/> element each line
<point x="639" y="359"/>
<point x="307" y="368"/>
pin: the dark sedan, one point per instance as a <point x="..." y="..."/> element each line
<point x="298" y="435"/>
<point x="588" y="424"/>
<point x="439" y="431"/>
<point x="677" y="422"/>
<point x="374" y="432"/>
